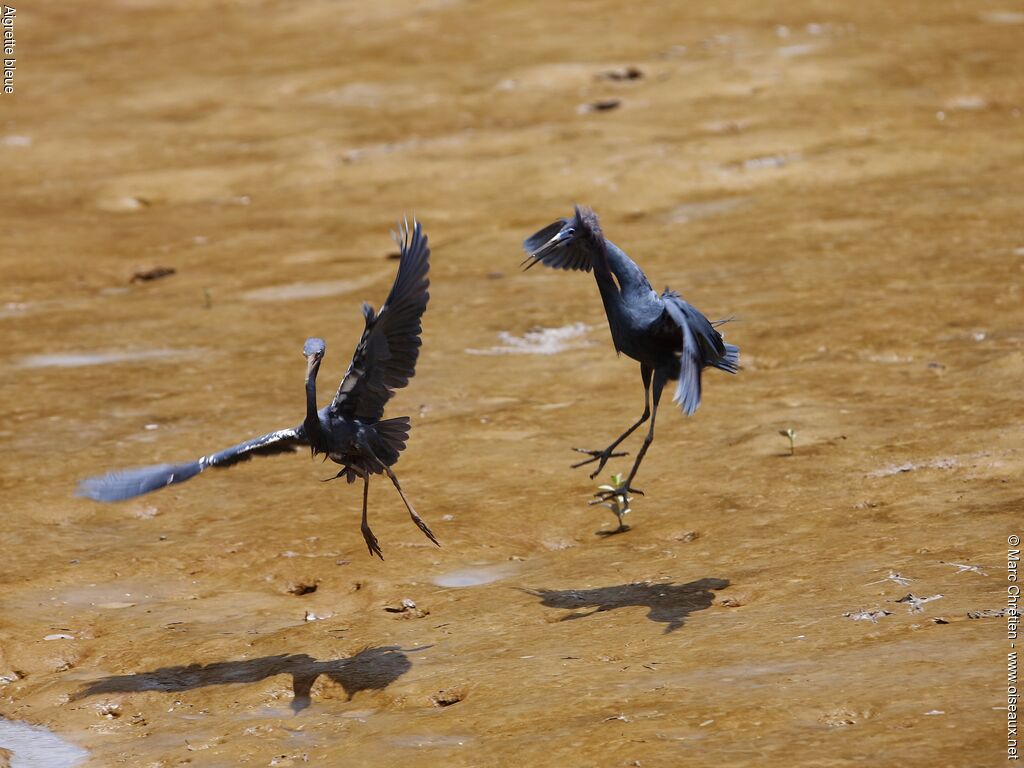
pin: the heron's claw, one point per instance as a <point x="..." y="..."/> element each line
<point x="610" y="493"/>
<point x="426" y="529"/>
<point x="600" y="456"/>
<point x="371" y="542"/>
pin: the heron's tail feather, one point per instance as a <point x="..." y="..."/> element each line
<point x="118" y="486"/>
<point x="703" y="346"/>
<point x="389" y="438"/>
<point x="730" y="361"/>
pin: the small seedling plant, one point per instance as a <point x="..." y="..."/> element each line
<point x="618" y="504"/>
<point x="791" y="434"/>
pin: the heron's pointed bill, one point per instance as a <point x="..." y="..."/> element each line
<point x="312" y="363"/>
<point x="538" y="255"/>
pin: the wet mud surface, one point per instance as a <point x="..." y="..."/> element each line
<point x="846" y="181"/>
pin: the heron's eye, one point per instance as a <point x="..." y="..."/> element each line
<point x="570" y="232"/>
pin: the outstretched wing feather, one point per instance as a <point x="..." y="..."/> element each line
<point x="270" y="444"/>
<point x="129" y="483"/>
<point x="385" y="358"/>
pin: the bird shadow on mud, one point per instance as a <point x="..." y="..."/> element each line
<point x="370" y="669"/>
<point x="666" y="603"/>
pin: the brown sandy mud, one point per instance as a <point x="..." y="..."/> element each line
<point x="845" y="179"/>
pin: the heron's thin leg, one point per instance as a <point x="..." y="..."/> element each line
<point x="626" y="487"/>
<point x="412" y="512"/>
<point x="659" y="384"/>
<point x="371" y="540"/>
<point x="607" y="453"/>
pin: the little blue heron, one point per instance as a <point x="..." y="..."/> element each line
<point x="669" y="338"/>
<point x="349" y="431"/>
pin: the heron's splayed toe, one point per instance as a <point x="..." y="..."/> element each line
<point x="371" y="542"/>
<point x="600" y="456"/>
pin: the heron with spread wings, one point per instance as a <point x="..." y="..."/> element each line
<point x="671" y="339"/>
<point x="350" y="431"/>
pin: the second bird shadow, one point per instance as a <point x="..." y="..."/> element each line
<point x="370" y="669"/>
<point x="666" y="603"/>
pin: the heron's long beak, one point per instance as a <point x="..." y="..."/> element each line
<point x="538" y="255"/>
<point x="562" y="236"/>
<point x="312" y="363"/>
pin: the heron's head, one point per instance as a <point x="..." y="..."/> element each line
<point x="314" y="347"/>
<point x="585" y="224"/>
<point x="313" y="351"/>
<point x="581" y="229"/>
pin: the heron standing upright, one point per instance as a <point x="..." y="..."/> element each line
<point x="349" y="431"/>
<point x="669" y="338"/>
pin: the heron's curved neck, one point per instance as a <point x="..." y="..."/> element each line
<point x="604" y="270"/>
<point x="312" y="418"/>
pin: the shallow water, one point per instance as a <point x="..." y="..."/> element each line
<point x="844" y="180"/>
<point x="472" y="577"/>
<point x="34" y="747"/>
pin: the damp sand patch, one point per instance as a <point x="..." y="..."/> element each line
<point x="943" y="462"/>
<point x="539" y="341"/>
<point x="82" y="359"/>
<point x="703" y="209"/>
<point x="312" y="290"/>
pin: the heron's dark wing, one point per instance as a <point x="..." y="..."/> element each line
<point x="385" y="358"/>
<point x="702" y="346"/>
<point x="128" y="483"/>
<point x="270" y="444"/>
<point x="570" y="253"/>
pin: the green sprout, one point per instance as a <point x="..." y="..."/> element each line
<point x="618" y="504"/>
<point x="791" y="434"/>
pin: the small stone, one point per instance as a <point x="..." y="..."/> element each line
<point x="408" y="609"/>
<point x="601" y="105"/>
<point x="625" y="73"/>
<point x="448" y="697"/>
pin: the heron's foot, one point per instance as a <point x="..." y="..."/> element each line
<point x="425" y="528"/>
<point x="620" y="491"/>
<point x="371" y="541"/>
<point x="347" y="472"/>
<point x="599" y="456"/>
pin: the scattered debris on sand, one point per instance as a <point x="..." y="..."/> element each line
<point x="895" y="577"/>
<point x="149" y="275"/>
<point x="914" y="603"/>
<point x="407" y="608"/>
<point x="987" y="613"/>
<point x="872" y="616"/>
<point x="963" y="568"/>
